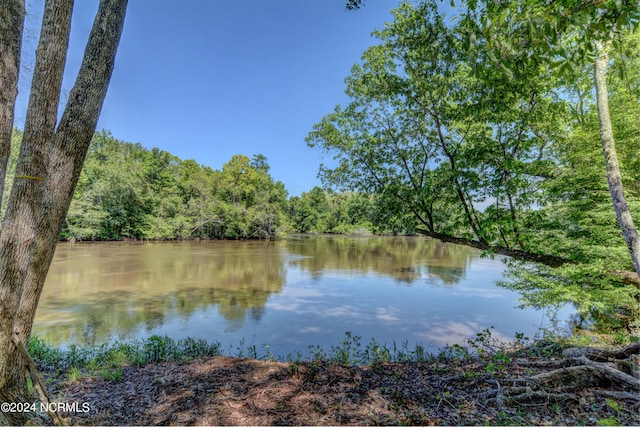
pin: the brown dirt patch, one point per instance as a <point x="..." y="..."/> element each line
<point x="230" y="391"/>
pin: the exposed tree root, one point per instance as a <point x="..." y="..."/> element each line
<point x="599" y="354"/>
<point x="608" y="373"/>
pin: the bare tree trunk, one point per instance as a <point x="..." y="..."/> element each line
<point x="36" y="213"/>
<point x="20" y="222"/>
<point x="611" y="158"/>
<point x="70" y="145"/>
<point x="11" y="26"/>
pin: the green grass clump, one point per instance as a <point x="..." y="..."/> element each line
<point x="94" y="359"/>
<point x="45" y="355"/>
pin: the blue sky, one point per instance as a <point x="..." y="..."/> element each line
<point x="207" y="79"/>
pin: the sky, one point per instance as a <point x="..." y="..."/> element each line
<point x="208" y="79"/>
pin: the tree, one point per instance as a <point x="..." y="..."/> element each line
<point x="354" y="4"/>
<point x="11" y="26"/>
<point x="564" y="35"/>
<point x="259" y="161"/>
<point x="252" y="205"/>
<point x="48" y="167"/>
<point x="437" y="140"/>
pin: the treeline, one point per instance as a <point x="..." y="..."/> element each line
<point x="320" y="211"/>
<point x="127" y="191"/>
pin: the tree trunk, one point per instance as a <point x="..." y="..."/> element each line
<point x="11" y="25"/>
<point x="70" y="145"/>
<point x="611" y="158"/>
<point x="549" y="260"/>
<point x="20" y="222"/>
<point x="28" y="244"/>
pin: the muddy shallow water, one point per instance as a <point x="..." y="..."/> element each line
<point x="281" y="296"/>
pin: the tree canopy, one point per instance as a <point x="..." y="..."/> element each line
<point x="485" y="132"/>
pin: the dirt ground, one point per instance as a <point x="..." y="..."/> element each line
<point x="231" y="391"/>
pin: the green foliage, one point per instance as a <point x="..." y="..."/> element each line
<point x="348" y="352"/>
<point x="45" y="356"/>
<point x="109" y="358"/>
<point x="594" y="293"/>
<point x="112" y="375"/>
<point x="319" y="211"/>
<point x="126" y="191"/>
<point x="487" y="130"/>
<point x="434" y="141"/>
<point x="74" y="374"/>
<point x="609" y="421"/>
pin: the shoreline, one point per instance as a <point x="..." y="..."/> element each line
<point x="521" y="385"/>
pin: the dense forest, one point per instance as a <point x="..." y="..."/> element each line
<point x="127" y="191"/>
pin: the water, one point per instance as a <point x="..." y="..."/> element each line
<point x="289" y="294"/>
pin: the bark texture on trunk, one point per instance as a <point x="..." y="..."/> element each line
<point x="20" y="222"/>
<point x="70" y="145"/>
<point x="49" y="168"/>
<point x="11" y="27"/>
<point x="614" y="176"/>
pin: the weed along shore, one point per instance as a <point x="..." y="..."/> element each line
<point x="161" y="381"/>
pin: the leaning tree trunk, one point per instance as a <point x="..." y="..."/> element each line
<point x="611" y="158"/>
<point x="70" y="145"/>
<point x="27" y="250"/>
<point x="19" y="225"/>
<point x="11" y="25"/>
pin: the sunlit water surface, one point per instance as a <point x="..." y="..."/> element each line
<point x="289" y="294"/>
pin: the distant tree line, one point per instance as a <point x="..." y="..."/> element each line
<point x="127" y="191"/>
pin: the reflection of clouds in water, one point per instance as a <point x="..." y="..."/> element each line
<point x="234" y="325"/>
<point x="310" y="330"/>
<point x="347" y="311"/>
<point x="296" y="300"/>
<point x="302" y="307"/>
<point x="450" y="332"/>
<point x="303" y="292"/>
<point x="387" y="314"/>
<point x="296" y="305"/>
<point x="483" y="292"/>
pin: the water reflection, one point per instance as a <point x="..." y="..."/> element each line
<point x="291" y="293"/>
<point x="405" y="259"/>
<point x="97" y="290"/>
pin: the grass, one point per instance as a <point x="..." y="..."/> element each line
<point x="108" y="359"/>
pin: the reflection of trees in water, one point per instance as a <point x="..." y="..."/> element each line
<point x="115" y="290"/>
<point x="133" y="285"/>
<point x="406" y="259"/>
<point x="449" y="275"/>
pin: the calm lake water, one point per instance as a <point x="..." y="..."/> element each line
<point x="289" y="294"/>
